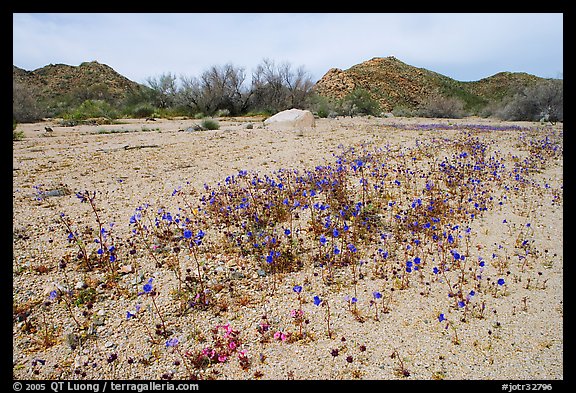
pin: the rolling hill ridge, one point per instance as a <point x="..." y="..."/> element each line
<point x="389" y="81"/>
<point x="393" y="83"/>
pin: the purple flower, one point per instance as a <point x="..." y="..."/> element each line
<point x="323" y="239"/>
<point x="501" y="281"/>
<point x="148" y="286"/>
<point x="317" y="300"/>
<point x="199" y="237"/>
<point x="435" y="270"/>
<point x="377" y="295"/>
<point x="441" y="318"/>
<point x="172" y="342"/>
<point x="187" y="234"/>
<point x="297" y="289"/>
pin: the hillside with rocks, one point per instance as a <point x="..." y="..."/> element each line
<point x="393" y="83"/>
<point x="89" y="80"/>
<point x="387" y="81"/>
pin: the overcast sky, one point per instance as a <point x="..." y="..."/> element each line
<point x="465" y="47"/>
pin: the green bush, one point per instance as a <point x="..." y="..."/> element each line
<point x="92" y="109"/>
<point x="359" y="102"/>
<point x="16" y="135"/>
<point x="403" y="111"/>
<point x="210" y="124"/>
<point x="321" y="106"/>
<point x="142" y="111"/>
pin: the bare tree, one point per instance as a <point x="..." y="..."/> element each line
<point x="298" y="83"/>
<point x="217" y="88"/>
<point x="276" y="88"/>
<point x="165" y="89"/>
<point x="25" y="105"/>
<point x="544" y="101"/>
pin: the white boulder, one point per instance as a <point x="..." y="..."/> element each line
<point x="291" y="118"/>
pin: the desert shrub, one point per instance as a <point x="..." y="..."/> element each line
<point x="142" y="111"/>
<point x="543" y="101"/>
<point x="92" y="109"/>
<point x="442" y="107"/>
<point x="222" y="113"/>
<point x="210" y="124"/>
<point x="359" y="102"/>
<point x="25" y="106"/>
<point x="16" y="135"/>
<point x="321" y="106"/>
<point x="403" y="111"/>
<point x="173" y="111"/>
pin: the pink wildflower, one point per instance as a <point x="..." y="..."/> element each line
<point x="232" y="345"/>
<point x="222" y="358"/>
<point x="277" y="335"/>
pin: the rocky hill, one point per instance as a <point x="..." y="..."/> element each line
<point x="89" y="80"/>
<point x="396" y="84"/>
<point x="389" y="81"/>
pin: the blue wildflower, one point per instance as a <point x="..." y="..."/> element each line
<point x="172" y="342"/>
<point x="148" y="286"/>
<point x="317" y="300"/>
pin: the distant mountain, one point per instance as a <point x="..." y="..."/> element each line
<point x="389" y="81"/>
<point x="396" y="84"/>
<point x="89" y="80"/>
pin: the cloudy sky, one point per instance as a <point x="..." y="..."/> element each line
<point x="465" y="47"/>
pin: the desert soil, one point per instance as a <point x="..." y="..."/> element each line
<point x="511" y="331"/>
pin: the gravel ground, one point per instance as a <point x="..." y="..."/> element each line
<point x="510" y="331"/>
